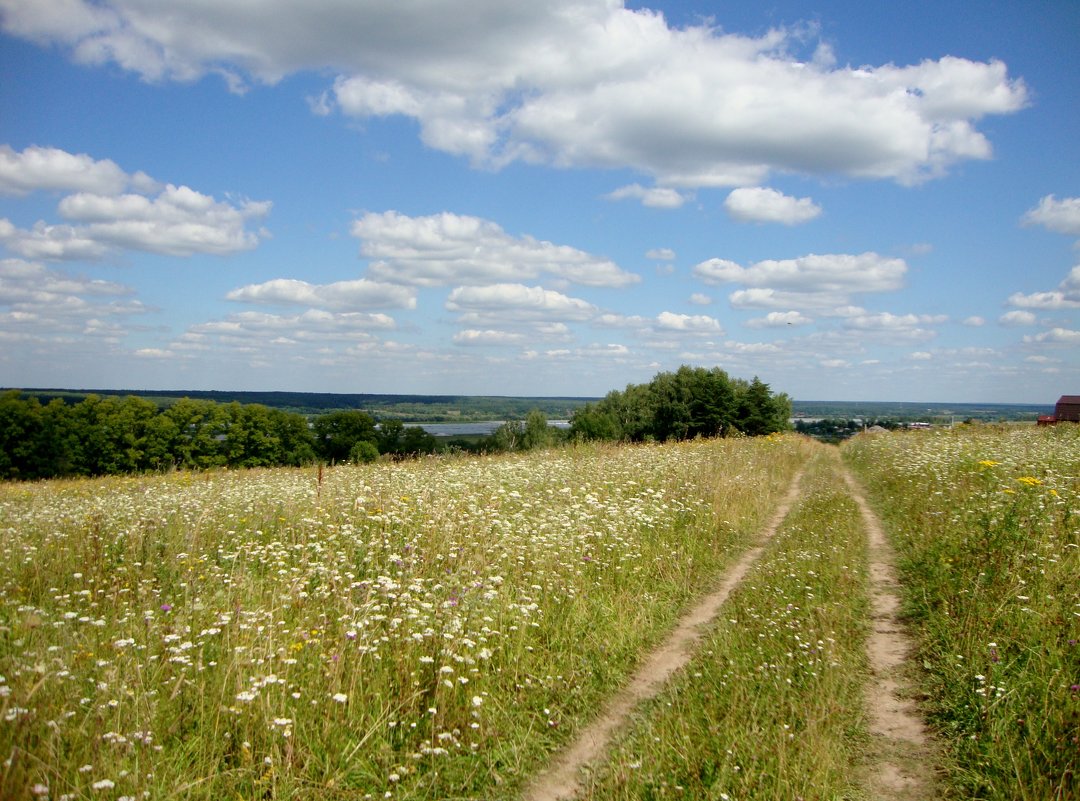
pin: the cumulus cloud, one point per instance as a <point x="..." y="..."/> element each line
<point x="824" y="283"/>
<point x="312" y="326"/>
<point x="39" y="302"/>
<point x="1017" y="318"/>
<point x="570" y="83"/>
<point x="515" y="303"/>
<point x="449" y="249"/>
<point x="895" y="326"/>
<point x="1057" y="336"/>
<point x="1066" y="296"/>
<point x="975" y="321"/>
<point x="1061" y="216"/>
<point x="655" y="197"/>
<point x="358" y="294"/>
<point x="700" y="299"/>
<point x="689" y="323"/>
<point x="760" y="204"/>
<point x="50" y="169"/>
<point x="472" y="336"/>
<point x="779" y="320"/>
<point x="101" y="216"/>
<point x="660" y="254"/>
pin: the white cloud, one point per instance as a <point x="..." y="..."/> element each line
<point x="1062" y="216"/>
<point x="975" y="321"/>
<point x="49" y="169"/>
<point x="42" y="304"/>
<point x="700" y="299"/>
<point x="1017" y="318"/>
<point x="171" y="220"/>
<point x="824" y="283"/>
<point x="1066" y="296"/>
<point x="472" y="336"/>
<point x="921" y="356"/>
<point x="660" y="254"/>
<point x="358" y="294"/>
<point x="759" y="204"/>
<point x="908" y="327"/>
<point x="1058" y="335"/>
<point x="654" y="197"/>
<point x="313" y="326"/>
<point x="565" y="82"/>
<point x="689" y="323"/>
<point x="779" y="320"/>
<point x="448" y="249"/>
<point x="516" y="303"/>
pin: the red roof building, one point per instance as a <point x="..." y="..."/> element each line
<point x="1068" y="409"/>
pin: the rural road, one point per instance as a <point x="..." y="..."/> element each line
<point x="901" y="754"/>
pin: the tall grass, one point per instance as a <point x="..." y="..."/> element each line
<point x="421" y="630"/>
<point x="772" y="706"/>
<point x="986" y="521"/>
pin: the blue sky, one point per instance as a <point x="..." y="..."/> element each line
<point x="852" y="201"/>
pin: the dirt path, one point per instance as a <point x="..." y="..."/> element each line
<point x="902" y="750"/>
<point x="562" y="779"/>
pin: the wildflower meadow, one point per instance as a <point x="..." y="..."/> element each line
<point x="425" y="629"/>
<point x="986" y="521"/>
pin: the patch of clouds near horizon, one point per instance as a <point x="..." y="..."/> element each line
<point x="660" y="100"/>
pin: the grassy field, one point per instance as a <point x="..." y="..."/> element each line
<point x="418" y="630"/>
<point x="437" y="629"/>
<point x="986" y="521"/>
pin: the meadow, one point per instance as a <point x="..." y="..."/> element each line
<point x="986" y="523"/>
<point x="428" y="629"/>
<point x="437" y="629"/>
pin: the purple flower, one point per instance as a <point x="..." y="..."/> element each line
<point x="166" y="607"/>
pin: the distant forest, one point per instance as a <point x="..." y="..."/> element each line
<point x="72" y="434"/>
<point x="474" y="408"/>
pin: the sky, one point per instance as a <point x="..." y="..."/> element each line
<point x="848" y="200"/>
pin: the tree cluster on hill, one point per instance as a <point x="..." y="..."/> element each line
<point x="691" y="402"/>
<point x="108" y="435"/>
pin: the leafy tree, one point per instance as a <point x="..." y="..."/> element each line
<point x="508" y="436"/>
<point x="21" y="428"/>
<point x="201" y="427"/>
<point x="594" y="422"/>
<point x="364" y="451"/>
<point x="416" y="442"/>
<point x="390" y="433"/>
<point x="537" y="433"/>
<point x="337" y="432"/>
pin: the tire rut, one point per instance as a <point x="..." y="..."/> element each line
<point x="903" y="752"/>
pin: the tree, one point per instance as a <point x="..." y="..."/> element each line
<point x="537" y="433"/>
<point x="337" y="432"/>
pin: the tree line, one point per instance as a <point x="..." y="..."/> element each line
<point x="109" y="435"/>
<point x="114" y="435"/>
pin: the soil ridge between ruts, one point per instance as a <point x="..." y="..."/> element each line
<point x="561" y="780"/>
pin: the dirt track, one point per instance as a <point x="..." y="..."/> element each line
<point x="901" y="755"/>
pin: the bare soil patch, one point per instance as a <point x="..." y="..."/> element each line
<point x="562" y="779"/>
<point x="903" y="752"/>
